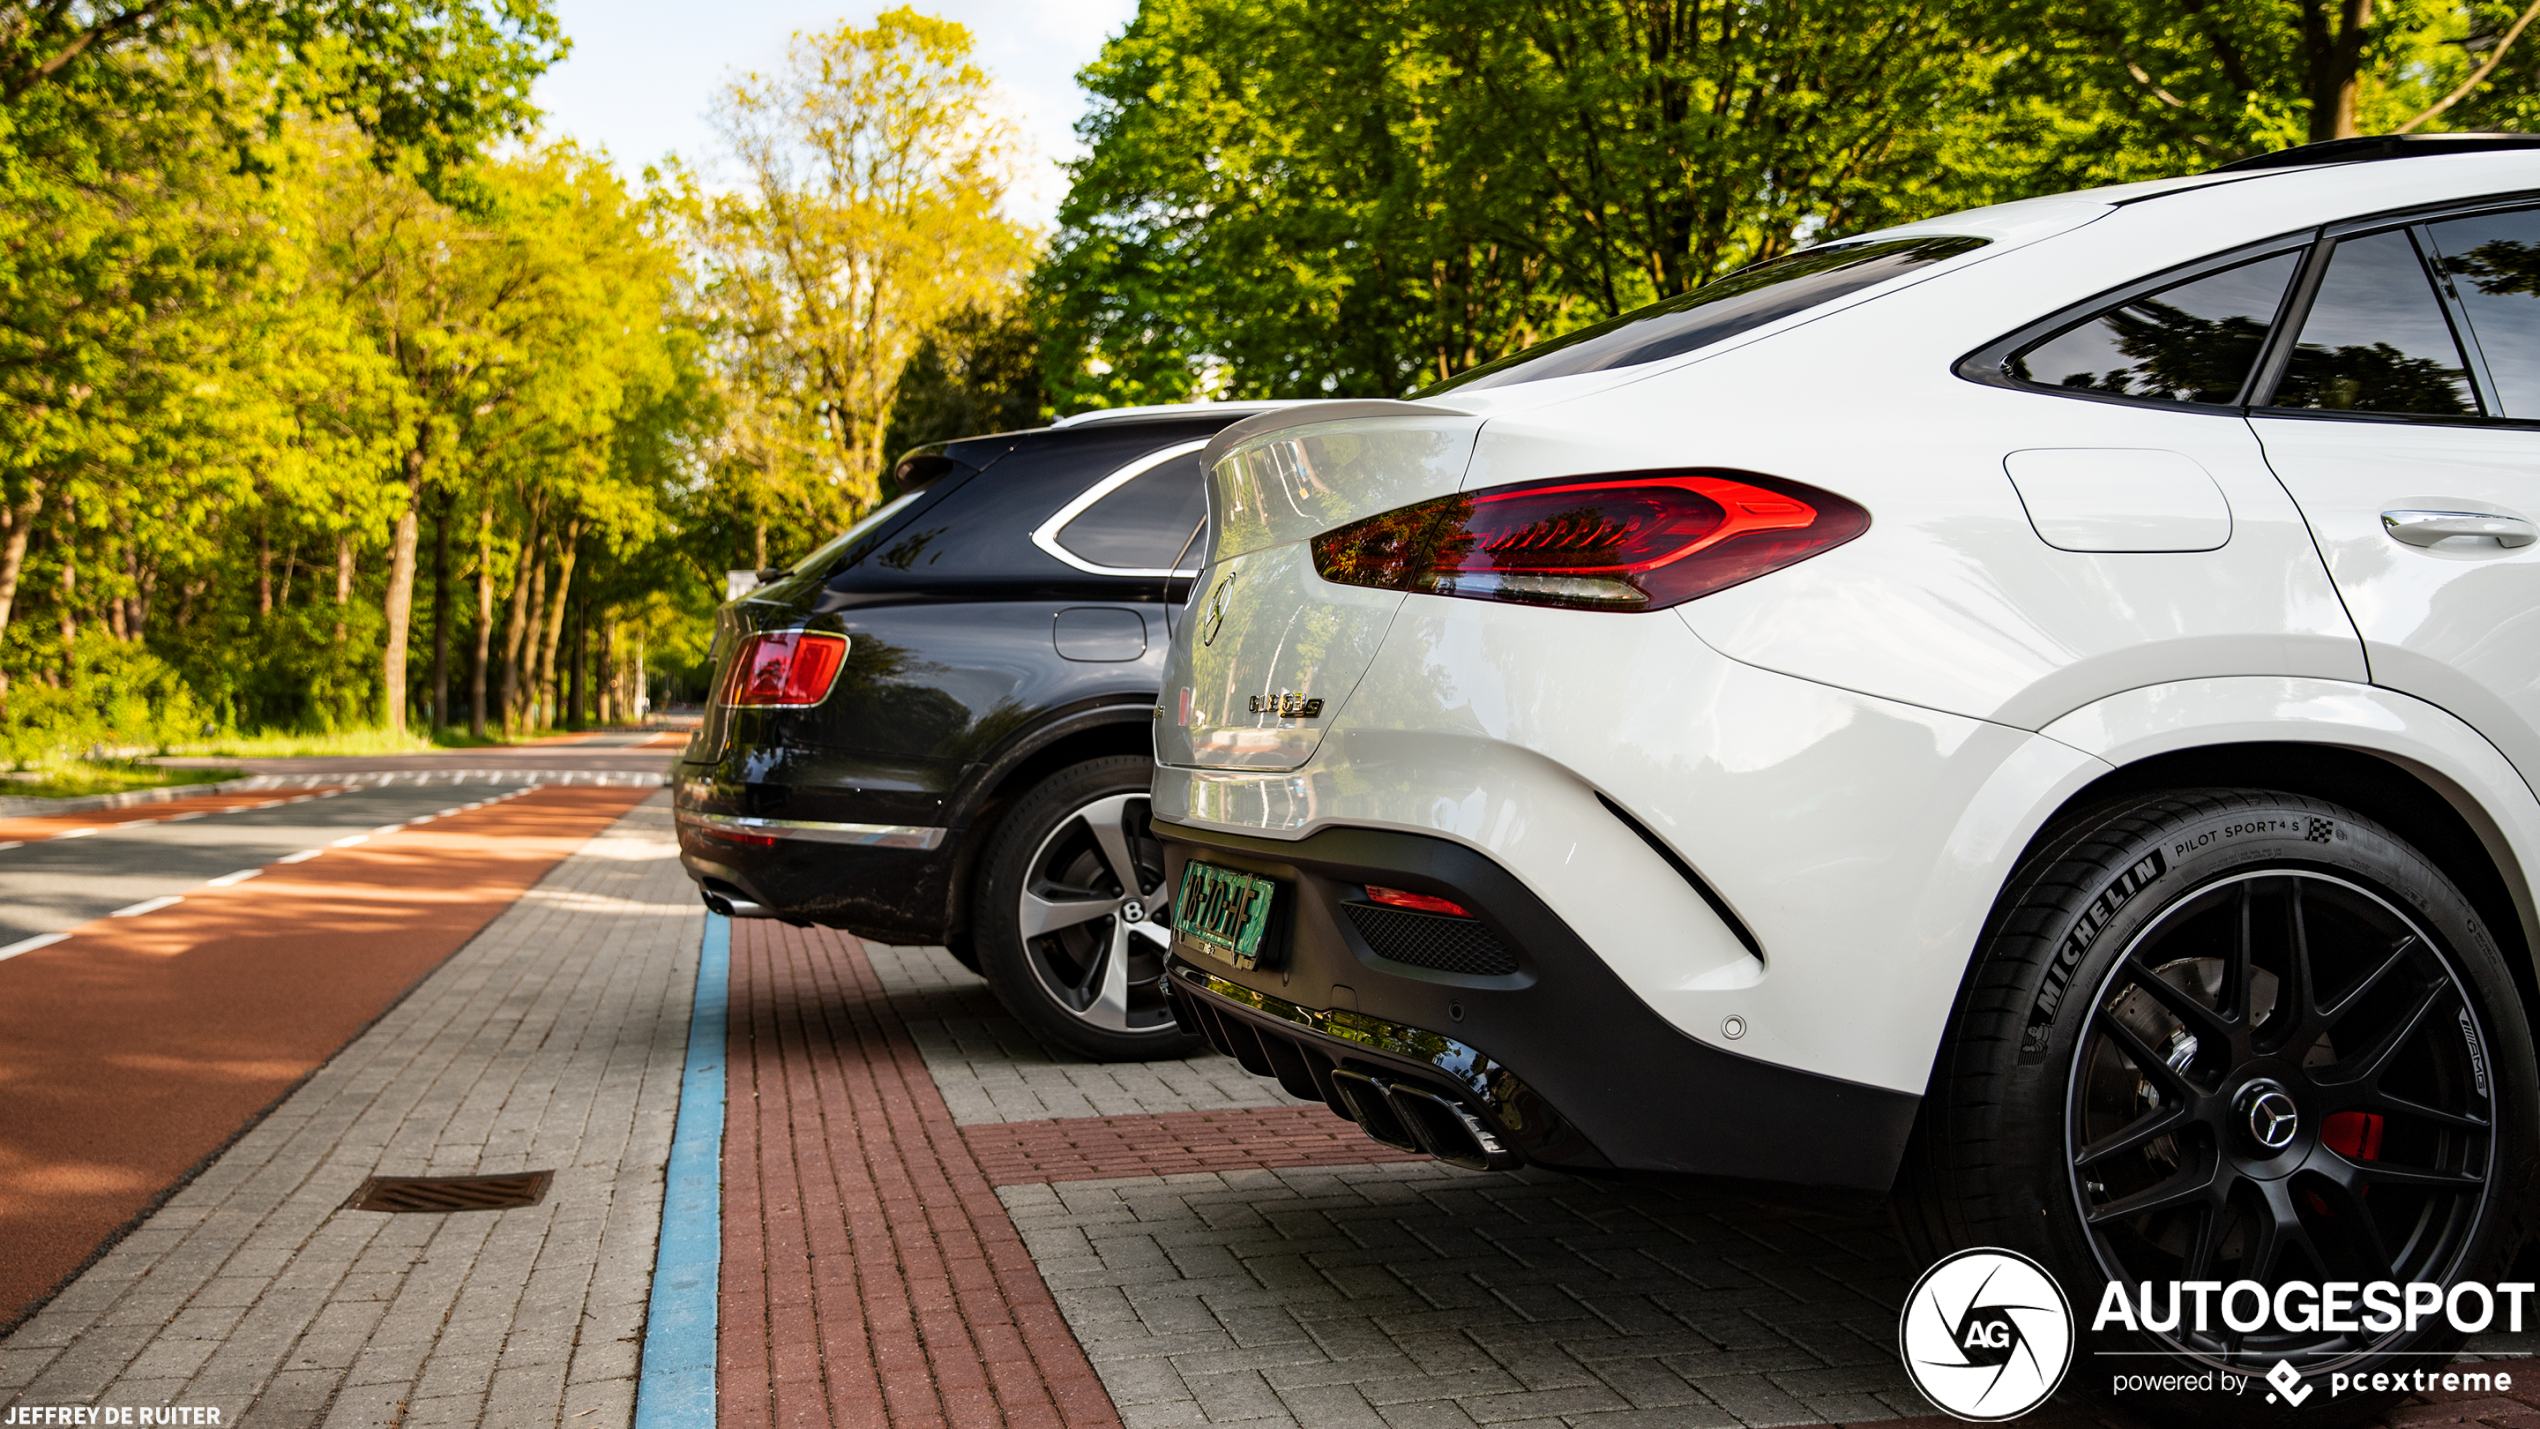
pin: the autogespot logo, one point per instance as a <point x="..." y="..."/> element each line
<point x="1987" y="1335"/>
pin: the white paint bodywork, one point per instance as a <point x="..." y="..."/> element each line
<point x="1854" y="750"/>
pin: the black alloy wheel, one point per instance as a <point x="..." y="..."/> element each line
<point x="1074" y="916"/>
<point x="2281" y="1079"/>
<point x="2224" y="1035"/>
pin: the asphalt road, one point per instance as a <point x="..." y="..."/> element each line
<point x="55" y="879"/>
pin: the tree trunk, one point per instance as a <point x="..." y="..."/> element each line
<point x="573" y="700"/>
<point x="264" y="566"/>
<point x="567" y="547"/>
<point x="2336" y="64"/>
<point x="484" y="622"/>
<point x="524" y="578"/>
<point x="17" y="523"/>
<point x="68" y="594"/>
<point x="401" y="591"/>
<point x="343" y="580"/>
<point x="441" y="614"/>
<point x="604" y="675"/>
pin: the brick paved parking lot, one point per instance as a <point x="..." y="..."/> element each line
<point x="927" y="1219"/>
<point x="1421" y="1294"/>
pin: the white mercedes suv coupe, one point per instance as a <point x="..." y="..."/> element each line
<point x="2037" y="711"/>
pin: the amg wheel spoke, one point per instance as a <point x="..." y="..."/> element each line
<point x="2354" y="1224"/>
<point x="2390" y="962"/>
<point x="2240" y="975"/>
<point x="2384" y="1173"/>
<point x="2145" y="1060"/>
<point x="2206" y="1241"/>
<point x="2389" y="1105"/>
<point x="2280" y="1232"/>
<point x="2365" y="1069"/>
<point x="2134" y="1136"/>
<point x="2207" y="1025"/>
<point x="2184" y="1189"/>
<point x="1041" y="916"/>
<point x="2296" y="992"/>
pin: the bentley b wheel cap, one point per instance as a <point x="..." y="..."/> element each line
<point x="2273" y="1118"/>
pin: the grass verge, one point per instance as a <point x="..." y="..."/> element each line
<point x="72" y="781"/>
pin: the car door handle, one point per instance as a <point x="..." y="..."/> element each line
<point x="2424" y="528"/>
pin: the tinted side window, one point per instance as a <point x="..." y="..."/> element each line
<point x="2493" y="261"/>
<point x="1145" y="522"/>
<point x="2193" y="342"/>
<point x="2376" y="339"/>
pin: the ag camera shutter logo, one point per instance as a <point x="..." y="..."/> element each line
<point x="1987" y="1335"/>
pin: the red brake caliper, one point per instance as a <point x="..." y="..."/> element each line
<point x="2355" y="1135"/>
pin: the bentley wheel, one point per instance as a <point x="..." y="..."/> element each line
<point x="1073" y="915"/>
<point x="2233" y="1037"/>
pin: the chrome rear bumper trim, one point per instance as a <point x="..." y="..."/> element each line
<point x="868" y="835"/>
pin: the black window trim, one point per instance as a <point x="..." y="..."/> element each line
<point x="1045" y="535"/>
<point x="1989" y="365"/>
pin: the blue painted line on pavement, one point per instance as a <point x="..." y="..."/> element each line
<point x="677" y="1387"/>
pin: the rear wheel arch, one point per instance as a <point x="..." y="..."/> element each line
<point x="2436" y="814"/>
<point x="1072" y="738"/>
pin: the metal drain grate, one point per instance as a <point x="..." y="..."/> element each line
<point x="451" y="1193"/>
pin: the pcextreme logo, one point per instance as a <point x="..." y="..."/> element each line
<point x="1987" y="1335"/>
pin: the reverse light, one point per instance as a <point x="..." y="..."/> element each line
<point x="1416" y="902"/>
<point x="1632" y="541"/>
<point x="784" y="669"/>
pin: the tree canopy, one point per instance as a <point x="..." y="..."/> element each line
<point x="1290" y="199"/>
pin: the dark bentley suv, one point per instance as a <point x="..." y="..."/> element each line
<point x="936" y="728"/>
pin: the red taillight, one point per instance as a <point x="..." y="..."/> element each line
<point x="787" y="667"/>
<point x="1639" y="541"/>
<point x="1416" y="902"/>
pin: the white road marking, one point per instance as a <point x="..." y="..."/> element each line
<point x="445" y="813"/>
<point x="303" y="856"/>
<point x="13" y="843"/>
<point x="75" y="834"/>
<point x="232" y="880"/>
<point x="28" y="945"/>
<point x="387" y="828"/>
<point x="420" y="819"/>
<point x="349" y="840"/>
<point x="147" y="905"/>
<point x="181" y="818"/>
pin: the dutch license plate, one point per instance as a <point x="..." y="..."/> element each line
<point x="1224" y="912"/>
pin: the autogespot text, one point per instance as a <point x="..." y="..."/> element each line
<point x="2373" y="1307"/>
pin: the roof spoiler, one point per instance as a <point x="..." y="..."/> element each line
<point x="1314" y="413"/>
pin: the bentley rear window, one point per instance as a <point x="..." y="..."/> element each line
<point x="1740" y="302"/>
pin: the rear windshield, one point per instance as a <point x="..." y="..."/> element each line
<point x="1745" y="299"/>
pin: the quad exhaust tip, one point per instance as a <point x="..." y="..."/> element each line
<point x="1413" y="1118"/>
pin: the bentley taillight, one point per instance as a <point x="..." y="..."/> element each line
<point x="1633" y="541"/>
<point x="785" y="668"/>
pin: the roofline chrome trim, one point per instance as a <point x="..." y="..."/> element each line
<point x="869" y="835"/>
<point x="1046" y="537"/>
